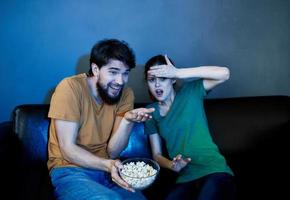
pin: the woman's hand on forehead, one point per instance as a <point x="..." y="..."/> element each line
<point x="165" y="71"/>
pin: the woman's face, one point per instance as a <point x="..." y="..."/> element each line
<point x="160" y="88"/>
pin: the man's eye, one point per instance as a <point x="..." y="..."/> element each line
<point x="162" y="79"/>
<point x="113" y="72"/>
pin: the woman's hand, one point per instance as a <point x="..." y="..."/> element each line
<point x="178" y="163"/>
<point x="164" y="71"/>
<point x="139" y="114"/>
<point x="115" y="164"/>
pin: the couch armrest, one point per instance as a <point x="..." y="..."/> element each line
<point x="8" y="144"/>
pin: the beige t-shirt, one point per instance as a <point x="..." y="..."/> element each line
<point x="72" y="101"/>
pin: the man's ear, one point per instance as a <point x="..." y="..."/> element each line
<point x="173" y="81"/>
<point x="95" y="69"/>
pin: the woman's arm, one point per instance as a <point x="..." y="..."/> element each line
<point x="211" y="75"/>
<point x="177" y="164"/>
<point x="155" y="142"/>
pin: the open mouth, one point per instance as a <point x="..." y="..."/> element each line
<point x="159" y="92"/>
<point x="115" y="90"/>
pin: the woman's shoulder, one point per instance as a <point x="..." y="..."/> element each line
<point x="154" y="105"/>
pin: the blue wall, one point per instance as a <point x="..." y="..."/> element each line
<point x="42" y="42"/>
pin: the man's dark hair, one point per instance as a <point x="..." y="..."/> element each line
<point x="105" y="50"/>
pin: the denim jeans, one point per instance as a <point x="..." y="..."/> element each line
<point x="216" y="186"/>
<point x="86" y="184"/>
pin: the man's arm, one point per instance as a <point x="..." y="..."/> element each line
<point x="123" y="127"/>
<point x="67" y="133"/>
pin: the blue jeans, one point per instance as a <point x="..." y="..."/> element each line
<point x="216" y="186"/>
<point x="86" y="184"/>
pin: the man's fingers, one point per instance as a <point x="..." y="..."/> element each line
<point x="117" y="179"/>
<point x="123" y="184"/>
<point x="148" y="110"/>
<point x="118" y="164"/>
<point x="140" y="114"/>
<point x="144" y="110"/>
<point x="120" y="182"/>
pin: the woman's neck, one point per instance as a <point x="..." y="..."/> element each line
<point x="168" y="101"/>
<point x="165" y="105"/>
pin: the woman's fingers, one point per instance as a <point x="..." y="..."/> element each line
<point x="156" y="67"/>
<point x="167" y="60"/>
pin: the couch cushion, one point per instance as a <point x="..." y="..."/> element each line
<point x="138" y="145"/>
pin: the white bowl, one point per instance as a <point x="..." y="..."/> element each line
<point x="139" y="173"/>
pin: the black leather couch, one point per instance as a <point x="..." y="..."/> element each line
<point x="251" y="132"/>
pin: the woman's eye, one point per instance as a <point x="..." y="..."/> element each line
<point x="151" y="80"/>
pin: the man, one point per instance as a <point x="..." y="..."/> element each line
<point x="91" y="119"/>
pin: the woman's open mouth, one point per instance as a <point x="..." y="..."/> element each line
<point x="159" y="92"/>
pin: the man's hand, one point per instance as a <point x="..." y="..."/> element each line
<point x="139" y="114"/>
<point x="115" y="164"/>
<point x="178" y="163"/>
<point x="164" y="71"/>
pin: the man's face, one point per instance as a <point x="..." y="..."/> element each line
<point x="112" y="79"/>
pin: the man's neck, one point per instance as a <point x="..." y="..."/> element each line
<point x="92" y="83"/>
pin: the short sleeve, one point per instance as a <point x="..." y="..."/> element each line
<point x="65" y="103"/>
<point x="126" y="103"/>
<point x="195" y="87"/>
<point x="151" y="125"/>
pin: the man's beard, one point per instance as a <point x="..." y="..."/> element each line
<point x="104" y="94"/>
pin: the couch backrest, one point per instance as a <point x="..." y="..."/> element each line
<point x="242" y="124"/>
<point x="237" y="124"/>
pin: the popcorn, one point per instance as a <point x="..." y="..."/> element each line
<point x="138" y="174"/>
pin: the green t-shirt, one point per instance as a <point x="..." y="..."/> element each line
<point x="185" y="131"/>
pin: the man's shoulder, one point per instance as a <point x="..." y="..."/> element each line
<point x="72" y="81"/>
<point x="75" y="78"/>
<point x="127" y="92"/>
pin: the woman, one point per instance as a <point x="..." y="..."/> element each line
<point x="180" y="120"/>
